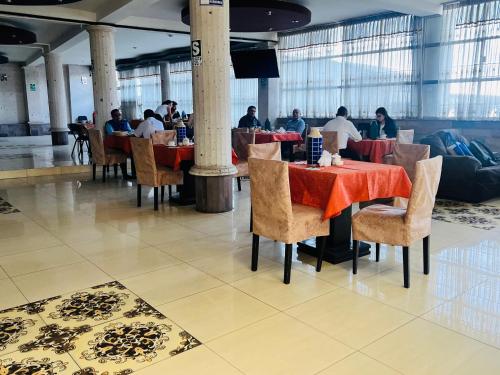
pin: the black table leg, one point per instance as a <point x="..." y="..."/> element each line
<point x="338" y="246"/>
<point x="186" y="195"/>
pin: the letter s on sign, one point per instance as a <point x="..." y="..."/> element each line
<point x="196" y="48"/>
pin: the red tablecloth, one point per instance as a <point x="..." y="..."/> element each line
<point x="173" y="156"/>
<point x="375" y="149"/>
<point x="118" y="143"/>
<point x="335" y="188"/>
<point x="277" y="137"/>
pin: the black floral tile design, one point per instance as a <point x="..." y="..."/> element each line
<point x="6" y="207"/>
<point x="473" y="214"/>
<point x="105" y="329"/>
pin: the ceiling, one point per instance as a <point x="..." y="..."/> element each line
<point x="71" y="40"/>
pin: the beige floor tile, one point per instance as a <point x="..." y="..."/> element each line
<point x="199" y="360"/>
<point x="20" y="244"/>
<point x="216" y="312"/>
<point x="269" y="287"/>
<point x="109" y="245"/>
<point x="38" y="363"/>
<point x="357" y="364"/>
<point x="72" y="235"/>
<point x="169" y="284"/>
<point x="197" y="248"/>
<point x="349" y="317"/>
<point x="60" y="280"/>
<point x="426" y="291"/>
<point x="279" y="345"/>
<point x="10" y="295"/>
<point x="24" y="263"/>
<point x="421" y="347"/>
<point x="233" y="266"/>
<point x="475" y="313"/>
<point x="132" y="262"/>
<point x="3" y="275"/>
<point x="19" y="228"/>
<point x="166" y="233"/>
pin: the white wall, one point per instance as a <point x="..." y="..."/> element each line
<point x="12" y="95"/>
<point x="38" y="102"/>
<point x="81" y="95"/>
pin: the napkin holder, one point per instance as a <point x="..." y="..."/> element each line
<point x="314" y="147"/>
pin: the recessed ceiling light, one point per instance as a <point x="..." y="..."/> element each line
<point x="269" y="13"/>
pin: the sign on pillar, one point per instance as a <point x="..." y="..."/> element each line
<point x="212" y="2"/>
<point x="196" y="58"/>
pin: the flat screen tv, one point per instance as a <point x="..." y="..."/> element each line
<point x="256" y="63"/>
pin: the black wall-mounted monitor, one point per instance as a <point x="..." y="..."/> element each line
<point x="255" y="63"/>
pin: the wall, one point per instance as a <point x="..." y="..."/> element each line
<point x="81" y="96"/>
<point x="12" y="95"/>
<point x="38" y="102"/>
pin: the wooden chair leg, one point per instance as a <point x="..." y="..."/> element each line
<point x="255" y="252"/>
<point x="238" y="180"/>
<point x="107" y="168"/>
<point x="155" y="189"/>
<point x="94" y="171"/>
<point x="162" y="194"/>
<point x="426" y="254"/>
<point x="355" y="255"/>
<point x="139" y="195"/>
<point x="115" y="170"/>
<point x="169" y="191"/>
<point x="377" y="252"/>
<point x="406" y="266"/>
<point x="288" y="263"/>
<point x="103" y="173"/>
<point x="321" y="252"/>
<point x="251" y="219"/>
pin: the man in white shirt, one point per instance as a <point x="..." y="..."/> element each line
<point x="149" y="126"/>
<point x="345" y="129"/>
<point x="164" y="109"/>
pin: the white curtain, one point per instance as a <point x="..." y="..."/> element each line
<point x="361" y="65"/>
<point x="140" y="89"/>
<point x="469" y="76"/>
<point x="243" y="91"/>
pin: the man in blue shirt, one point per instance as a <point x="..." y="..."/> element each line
<point x="296" y="124"/>
<point x="117" y="123"/>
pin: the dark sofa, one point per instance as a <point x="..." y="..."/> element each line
<point x="463" y="177"/>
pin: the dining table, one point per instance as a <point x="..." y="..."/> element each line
<point x="268" y="137"/>
<point x="335" y="189"/>
<point x="373" y="150"/>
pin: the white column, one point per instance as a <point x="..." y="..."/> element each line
<point x="57" y="98"/>
<point x="102" y="53"/>
<point x="165" y="80"/>
<point x="211" y="96"/>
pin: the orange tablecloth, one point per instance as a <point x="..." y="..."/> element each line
<point x="173" y="156"/>
<point x="335" y="188"/>
<point x="277" y="137"/>
<point x="375" y="149"/>
<point x="118" y="143"/>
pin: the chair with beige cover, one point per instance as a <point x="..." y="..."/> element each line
<point x="150" y="174"/>
<point x="163" y="137"/>
<point x="405" y="136"/>
<point x="399" y="226"/>
<point x="330" y="141"/>
<point x="243" y="138"/>
<point x="101" y="156"/>
<point x="276" y="218"/>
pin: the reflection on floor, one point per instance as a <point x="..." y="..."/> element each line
<point x="73" y="234"/>
<point x="36" y="152"/>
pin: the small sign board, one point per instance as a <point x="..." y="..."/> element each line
<point x="32" y="86"/>
<point x="196" y="58"/>
<point x="84" y="80"/>
<point x="212" y="2"/>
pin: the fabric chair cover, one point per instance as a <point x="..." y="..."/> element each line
<point x="267" y="151"/>
<point x="135" y="123"/>
<point x="274" y="216"/>
<point x="330" y="141"/>
<point x="405" y="136"/>
<point x="162" y="138"/>
<point x="399" y="226"/>
<point x="242" y="140"/>
<point x="100" y="156"/>
<point x="148" y="173"/>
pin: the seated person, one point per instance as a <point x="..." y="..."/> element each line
<point x="164" y="109"/>
<point x="384" y="126"/>
<point x="160" y="118"/>
<point x="296" y="124"/>
<point x="190" y="126"/>
<point x="345" y="129"/>
<point x="174" y="115"/>
<point x="149" y="126"/>
<point x="116" y="123"/>
<point x="249" y="120"/>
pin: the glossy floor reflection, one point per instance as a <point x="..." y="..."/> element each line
<point x="72" y="234"/>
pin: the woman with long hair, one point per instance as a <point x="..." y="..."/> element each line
<point x="384" y="126"/>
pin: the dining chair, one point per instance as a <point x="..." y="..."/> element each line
<point x="150" y="174"/>
<point x="299" y="150"/>
<point x="405" y="136"/>
<point x="243" y="140"/>
<point x="330" y="141"/>
<point x="104" y="157"/>
<point x="399" y="226"/>
<point x="81" y="136"/>
<point x="277" y="218"/>
<point x="163" y="137"/>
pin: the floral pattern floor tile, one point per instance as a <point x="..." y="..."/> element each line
<point x="6" y="207"/>
<point x="477" y="215"/>
<point x="103" y="330"/>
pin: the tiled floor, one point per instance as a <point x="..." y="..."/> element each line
<point x="72" y="234"/>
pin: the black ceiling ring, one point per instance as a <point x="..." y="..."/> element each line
<point x="4" y="59"/>
<point x="15" y="36"/>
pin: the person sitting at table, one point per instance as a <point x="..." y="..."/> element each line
<point x="345" y="129"/>
<point x="249" y="120"/>
<point x="384" y="126"/>
<point x="164" y="109"/>
<point x="149" y="126"/>
<point x="296" y="124"/>
<point x="190" y="126"/>
<point x="174" y="116"/>
<point x="116" y="123"/>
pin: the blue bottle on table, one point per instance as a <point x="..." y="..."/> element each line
<point x="314" y="147"/>
<point x="181" y="132"/>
